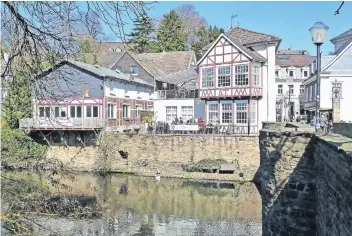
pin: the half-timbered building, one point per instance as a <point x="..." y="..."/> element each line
<point x="74" y="99"/>
<point x="237" y="80"/>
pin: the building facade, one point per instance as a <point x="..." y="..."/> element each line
<point x="237" y="78"/>
<point x="292" y="68"/>
<point x="335" y="81"/>
<point x="80" y="100"/>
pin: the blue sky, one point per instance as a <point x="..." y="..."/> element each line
<point x="288" y="20"/>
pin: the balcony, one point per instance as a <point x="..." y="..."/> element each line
<point x="61" y="124"/>
<point x="177" y="94"/>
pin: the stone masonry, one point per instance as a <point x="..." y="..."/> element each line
<point x="166" y="153"/>
<point x="306" y="184"/>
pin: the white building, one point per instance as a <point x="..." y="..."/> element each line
<point x="182" y="101"/>
<point x="292" y="68"/>
<point x="336" y="80"/>
<point x="237" y="80"/>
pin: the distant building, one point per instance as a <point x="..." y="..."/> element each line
<point x="336" y="80"/>
<point x="237" y="80"/>
<point x="81" y="100"/>
<point x="292" y="68"/>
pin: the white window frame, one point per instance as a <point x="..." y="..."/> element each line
<point x="225" y="76"/>
<point x="213" y="111"/>
<point x="91" y="111"/>
<point x="293" y="73"/>
<point x="170" y="113"/>
<point x="131" y="70"/>
<point x="75" y="110"/>
<point x="209" y="83"/>
<point x="187" y="113"/>
<point x="111" y="111"/>
<point x="293" y="88"/>
<point x="239" y="107"/>
<point x="303" y="76"/>
<point x="301" y="91"/>
<point x="256" y="75"/>
<point x="237" y="80"/>
<point x="126" y="111"/>
<point x="280" y="87"/>
<point x="61" y="109"/>
<point x="226" y="108"/>
<point x="253" y="111"/>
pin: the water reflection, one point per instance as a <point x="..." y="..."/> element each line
<point x="168" y="207"/>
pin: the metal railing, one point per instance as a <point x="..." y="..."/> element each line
<point x="179" y="94"/>
<point x="56" y="123"/>
<point x="225" y="129"/>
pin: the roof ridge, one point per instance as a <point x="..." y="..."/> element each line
<point x="255" y="32"/>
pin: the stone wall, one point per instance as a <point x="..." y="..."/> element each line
<point x="305" y="184"/>
<point x="344" y="129"/>
<point x="166" y="153"/>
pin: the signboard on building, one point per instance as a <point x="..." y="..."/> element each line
<point x="184" y="127"/>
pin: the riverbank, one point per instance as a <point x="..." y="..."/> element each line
<point x="88" y="160"/>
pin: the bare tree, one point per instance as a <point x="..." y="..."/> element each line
<point x="192" y="21"/>
<point x="34" y="32"/>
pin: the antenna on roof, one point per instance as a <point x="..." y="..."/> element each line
<point x="232" y="17"/>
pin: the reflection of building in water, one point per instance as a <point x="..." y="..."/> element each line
<point x="160" y="225"/>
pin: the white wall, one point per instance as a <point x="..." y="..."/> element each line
<point x="160" y="107"/>
<point x="121" y="89"/>
<point x="267" y="105"/>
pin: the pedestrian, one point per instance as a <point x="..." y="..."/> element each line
<point x="323" y="122"/>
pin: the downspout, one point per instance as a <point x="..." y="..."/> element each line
<point x="267" y="82"/>
<point x="104" y="105"/>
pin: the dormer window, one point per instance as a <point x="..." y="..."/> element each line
<point x="134" y="70"/>
<point x="305" y="73"/>
<point x="290" y="73"/>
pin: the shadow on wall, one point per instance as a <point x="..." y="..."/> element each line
<point x="288" y="183"/>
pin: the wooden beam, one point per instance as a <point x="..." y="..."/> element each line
<point x="45" y="138"/>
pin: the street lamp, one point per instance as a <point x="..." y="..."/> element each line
<point x="289" y="81"/>
<point x="318" y="31"/>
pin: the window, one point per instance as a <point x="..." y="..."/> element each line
<point x="134" y="69"/>
<point x="276" y="73"/>
<point x="171" y="114"/>
<point x="224" y="75"/>
<point x="207" y="77"/>
<point x="63" y="113"/>
<point x="91" y="111"/>
<point x="126" y="111"/>
<point x="279" y="89"/>
<point x="41" y="111"/>
<point x="76" y="111"/>
<point x="57" y="112"/>
<point x="138" y="110"/>
<point x="47" y="111"/>
<point x="253" y="112"/>
<point x="111" y="111"/>
<point x="290" y="73"/>
<point x="305" y="73"/>
<point x="213" y="113"/>
<point x="290" y="87"/>
<point x="226" y="113"/>
<point x="186" y="112"/>
<point x="256" y="75"/>
<point x="301" y="89"/>
<point x="241" y="75"/>
<point x="241" y="112"/>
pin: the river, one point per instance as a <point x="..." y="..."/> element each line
<point x="150" y="207"/>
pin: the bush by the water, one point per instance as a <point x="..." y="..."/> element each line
<point x="18" y="149"/>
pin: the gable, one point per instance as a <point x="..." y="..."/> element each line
<point x="342" y="62"/>
<point x="223" y="52"/>
<point x="125" y="63"/>
<point x="68" y="81"/>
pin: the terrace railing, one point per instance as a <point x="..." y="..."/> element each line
<point x="225" y="129"/>
<point x="55" y="123"/>
<point x="177" y="94"/>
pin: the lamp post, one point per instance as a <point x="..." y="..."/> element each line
<point x="289" y="83"/>
<point x="318" y="31"/>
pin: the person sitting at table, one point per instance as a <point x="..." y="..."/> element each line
<point x="181" y="121"/>
<point x="176" y="121"/>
